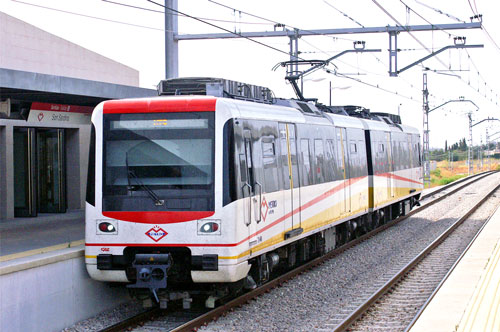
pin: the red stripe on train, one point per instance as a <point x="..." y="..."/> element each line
<point x="159" y="105"/>
<point x="397" y="177"/>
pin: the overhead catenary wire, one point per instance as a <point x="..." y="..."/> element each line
<point x="468" y="54"/>
<point x="278" y="23"/>
<point x="375" y="56"/>
<point x="88" y="16"/>
<point x="341" y="12"/>
<point x="162" y="12"/>
<point x="439" y="11"/>
<point x="376" y="86"/>
<point x="326" y="70"/>
<point x="476" y="15"/>
<point x="407" y="30"/>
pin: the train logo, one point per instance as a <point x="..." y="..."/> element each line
<point x="264" y="207"/>
<point x="156" y="233"/>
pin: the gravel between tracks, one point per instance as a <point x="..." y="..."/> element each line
<point x="107" y="318"/>
<point x="318" y="299"/>
<point x="395" y="310"/>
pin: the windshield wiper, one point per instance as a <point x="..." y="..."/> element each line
<point x="150" y="192"/>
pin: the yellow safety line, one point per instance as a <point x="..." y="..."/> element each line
<point x="41" y="250"/>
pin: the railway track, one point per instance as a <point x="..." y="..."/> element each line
<point x="414" y="285"/>
<point x="160" y="320"/>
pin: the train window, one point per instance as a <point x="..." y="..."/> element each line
<point x="153" y="157"/>
<point x="417" y="154"/>
<point x="319" y="154"/>
<point x="381" y="147"/>
<point x="307" y="177"/>
<point x="243" y="168"/>
<point x="228" y="165"/>
<point x="330" y="160"/>
<point x="268" y="149"/>
<point x="396" y="161"/>
<point x="248" y="151"/>
<point x="270" y="165"/>
<point x="354" y="148"/>
<point x="284" y="163"/>
<point x="404" y="155"/>
<point x="90" y="198"/>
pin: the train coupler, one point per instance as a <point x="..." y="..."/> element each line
<point x="151" y="272"/>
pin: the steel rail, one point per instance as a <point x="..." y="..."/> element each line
<point x="451" y="184"/>
<point x="356" y="314"/>
<point x="421" y="310"/>
<point x="241" y="300"/>
<point x="133" y="321"/>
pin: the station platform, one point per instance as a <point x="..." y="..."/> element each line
<point x="22" y="237"/>
<point x="469" y="299"/>
<point x="43" y="275"/>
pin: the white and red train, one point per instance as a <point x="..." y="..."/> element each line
<point x="195" y="194"/>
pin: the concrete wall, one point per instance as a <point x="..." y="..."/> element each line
<point x="6" y="171"/>
<point x="84" y="136"/>
<point x="28" y="48"/>
<point x="77" y="157"/>
<point x="3" y="164"/>
<point x="51" y="292"/>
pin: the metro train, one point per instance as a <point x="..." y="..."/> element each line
<point x="213" y="186"/>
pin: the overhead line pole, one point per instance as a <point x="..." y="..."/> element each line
<point x="425" y="137"/>
<point x="171" y="41"/>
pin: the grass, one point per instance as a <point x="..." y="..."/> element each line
<point x="446" y="173"/>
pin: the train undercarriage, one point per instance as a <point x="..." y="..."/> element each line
<point x="162" y="275"/>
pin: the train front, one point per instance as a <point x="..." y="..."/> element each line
<point x="151" y="218"/>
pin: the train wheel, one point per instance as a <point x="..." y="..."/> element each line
<point x="341" y="235"/>
<point x="375" y="220"/>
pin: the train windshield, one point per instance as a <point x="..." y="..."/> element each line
<point x="158" y="162"/>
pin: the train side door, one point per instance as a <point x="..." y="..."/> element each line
<point x="291" y="184"/>
<point x="252" y="189"/>
<point x="390" y="161"/>
<point x="343" y="157"/>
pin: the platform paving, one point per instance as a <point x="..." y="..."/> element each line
<point x="469" y="300"/>
<point x="21" y="237"/>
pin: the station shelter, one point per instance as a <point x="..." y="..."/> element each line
<point x="48" y="89"/>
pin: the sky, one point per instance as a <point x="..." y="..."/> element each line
<point x="135" y="37"/>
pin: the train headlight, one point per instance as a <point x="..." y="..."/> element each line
<point x="107" y="227"/>
<point x="208" y="227"/>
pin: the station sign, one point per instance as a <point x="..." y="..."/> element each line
<point x="55" y="114"/>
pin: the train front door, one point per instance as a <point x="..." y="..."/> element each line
<point x="291" y="184"/>
<point x="252" y="190"/>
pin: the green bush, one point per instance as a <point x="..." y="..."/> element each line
<point x="443" y="181"/>
<point x="436" y="173"/>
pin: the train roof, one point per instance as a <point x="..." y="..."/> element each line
<point x="255" y="102"/>
<point x="259" y="111"/>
